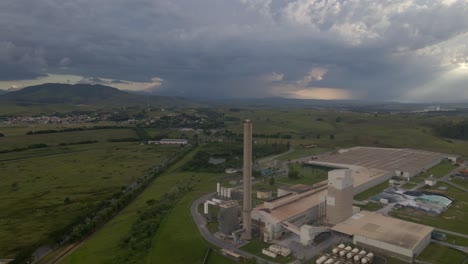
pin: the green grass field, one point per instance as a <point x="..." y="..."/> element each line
<point x="101" y="135"/>
<point x="177" y="233"/>
<point x="354" y="129"/>
<point x="33" y="189"/>
<point x="439" y="170"/>
<point x="307" y="175"/>
<point x="454" y="218"/>
<point x="371" y="192"/>
<point x="439" y="254"/>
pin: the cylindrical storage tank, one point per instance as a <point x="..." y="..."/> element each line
<point x="362" y="253"/>
<point x="229" y="190"/>
<point x="343" y="253"/>
<point x="329" y="261"/>
<point x="355" y="250"/>
<point x="224" y="191"/>
<point x="348" y="248"/>
<point x="338" y="262"/>
<point x="364" y="261"/>
<point x="341" y="246"/>
<point x="218" y="188"/>
<point x="357" y="258"/>
<point x="335" y="251"/>
<point x="370" y="256"/>
<point x="206" y="208"/>
<point x="321" y="260"/>
<point x="350" y="255"/>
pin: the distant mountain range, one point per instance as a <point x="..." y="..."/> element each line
<point x="87" y="94"/>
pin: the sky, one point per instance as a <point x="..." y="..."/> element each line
<point x="382" y="50"/>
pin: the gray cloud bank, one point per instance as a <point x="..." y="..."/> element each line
<point x="405" y="50"/>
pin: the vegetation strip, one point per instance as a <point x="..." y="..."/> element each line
<point x="106" y="211"/>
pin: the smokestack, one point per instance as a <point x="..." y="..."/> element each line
<point x="247" y="208"/>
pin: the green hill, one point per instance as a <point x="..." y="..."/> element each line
<point x="84" y="94"/>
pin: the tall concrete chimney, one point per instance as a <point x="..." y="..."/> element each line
<point x="247" y="208"/>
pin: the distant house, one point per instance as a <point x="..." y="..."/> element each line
<point x="430" y="182"/>
<point x="230" y="171"/>
<point x="168" y="141"/>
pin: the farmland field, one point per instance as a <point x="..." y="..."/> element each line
<point x="34" y="187"/>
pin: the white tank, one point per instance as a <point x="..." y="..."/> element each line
<point x="343" y="253"/>
<point x="321" y="260"/>
<point x="370" y="255"/>
<point x="338" y="262"/>
<point x="329" y="261"/>
<point x="362" y="253"/>
<point x="349" y="255"/>
<point x="341" y="246"/>
<point x="348" y="248"/>
<point x="355" y="250"/>
<point x="335" y="251"/>
<point x="357" y="258"/>
<point x="364" y="261"/>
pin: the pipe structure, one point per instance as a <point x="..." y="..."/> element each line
<point x="247" y="200"/>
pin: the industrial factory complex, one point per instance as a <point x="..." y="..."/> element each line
<point x="327" y="207"/>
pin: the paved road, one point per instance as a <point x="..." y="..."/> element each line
<point x="460" y="248"/>
<point x="451" y="232"/>
<point x="200" y="221"/>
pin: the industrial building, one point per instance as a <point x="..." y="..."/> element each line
<point x="392" y="237"/>
<point x="398" y="162"/>
<point x="310" y="210"/>
<point x="326" y="202"/>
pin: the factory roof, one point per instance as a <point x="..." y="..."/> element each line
<point x="296" y="204"/>
<point x="385" y="229"/>
<point x="296" y="188"/>
<point x="386" y="159"/>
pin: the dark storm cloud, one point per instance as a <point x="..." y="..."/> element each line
<point x="375" y="49"/>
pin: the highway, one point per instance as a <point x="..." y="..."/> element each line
<point x="200" y="221"/>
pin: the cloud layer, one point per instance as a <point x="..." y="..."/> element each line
<point x="405" y="50"/>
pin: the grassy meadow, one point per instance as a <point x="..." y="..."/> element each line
<point x="35" y="183"/>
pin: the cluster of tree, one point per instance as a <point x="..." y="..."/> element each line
<point x="138" y="241"/>
<point x="232" y="153"/>
<point x="2" y="135"/>
<point x="142" y="134"/>
<point x="72" y="129"/>
<point x="455" y="130"/>
<point x="130" y="139"/>
<point x="83" y="226"/>
<point x="293" y="174"/>
<point x="33" y="146"/>
<point x="187" y="120"/>
<point x="79" y="143"/>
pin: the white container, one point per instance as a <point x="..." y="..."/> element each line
<point x="341" y="246"/>
<point x="321" y="260"/>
